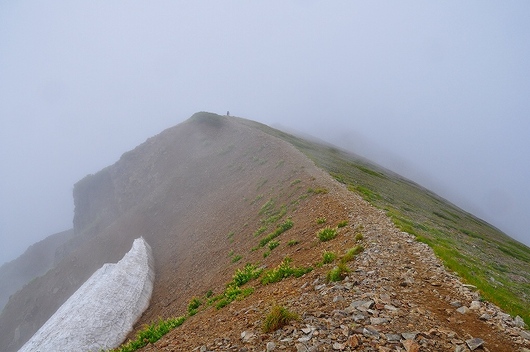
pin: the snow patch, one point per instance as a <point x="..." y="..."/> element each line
<point x="101" y="313"/>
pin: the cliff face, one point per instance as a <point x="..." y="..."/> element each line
<point x="183" y="190"/>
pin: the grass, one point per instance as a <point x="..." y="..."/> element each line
<point x="233" y="289"/>
<point x="242" y="276"/>
<point x="338" y="273"/>
<point x="150" y="334"/>
<point x="328" y="257"/>
<point x="286" y="225"/>
<point x="259" y="231"/>
<point x="351" y="253"/>
<point x="327" y="234"/>
<point x="459" y="239"/>
<point x="282" y="271"/>
<point x="273" y="244"/>
<point x="277" y="318"/>
<point x="193" y="306"/>
<point x="293" y="243"/>
<point x="236" y="258"/>
<point x="321" y="220"/>
<point x="342" y="224"/>
<point x="317" y="190"/>
<point x="358" y="237"/>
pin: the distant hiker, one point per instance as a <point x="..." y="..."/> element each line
<point x="228" y="113"/>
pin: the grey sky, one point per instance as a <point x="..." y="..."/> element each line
<point x="439" y="92"/>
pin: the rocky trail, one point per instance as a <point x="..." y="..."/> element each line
<point x="396" y="297"/>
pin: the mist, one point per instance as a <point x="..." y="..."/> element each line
<point x="437" y="92"/>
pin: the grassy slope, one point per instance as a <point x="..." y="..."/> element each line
<point x="479" y="253"/>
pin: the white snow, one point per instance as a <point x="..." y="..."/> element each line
<point x="101" y="313"/>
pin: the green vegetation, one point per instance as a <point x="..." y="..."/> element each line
<point x="472" y="248"/>
<point x="259" y="231"/>
<point x="193" y="306"/>
<point x="277" y="318"/>
<point x="283" y="271"/>
<point x="233" y="289"/>
<point x="242" y="276"/>
<point x="321" y="220"/>
<point x="358" y="237"/>
<point x="327" y="234"/>
<point x="297" y="181"/>
<point x="351" y="253"/>
<point x="292" y="243"/>
<point x="286" y="225"/>
<point x="338" y="273"/>
<point x="273" y="244"/>
<point x="150" y="334"/>
<point x="236" y="258"/>
<point x="328" y="257"/>
<point x="342" y="224"/>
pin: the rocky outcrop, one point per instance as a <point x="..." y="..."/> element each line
<point x="101" y="313"/>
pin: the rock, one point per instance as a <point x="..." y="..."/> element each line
<point x="370" y="331"/>
<point x="475" y="305"/>
<point x="365" y="304"/>
<point x="300" y="347"/>
<point x="463" y="310"/>
<point x="474" y="343"/>
<point x="409" y="335"/>
<point x="338" y="346"/>
<point x="305" y="338"/>
<point x="411" y="346"/>
<point x="519" y="322"/>
<point x="460" y="348"/>
<point x="485" y="316"/>
<point x="378" y="321"/>
<point x="353" y="341"/>
<point x="271" y="346"/>
<point x="393" y="337"/>
<point x="524" y="334"/>
<point x="247" y="336"/>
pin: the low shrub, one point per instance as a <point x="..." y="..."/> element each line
<point x="242" y="276"/>
<point x="292" y="243"/>
<point x="277" y="318"/>
<point x="342" y="224"/>
<point x="327" y="234"/>
<point x="351" y="253"/>
<point x="338" y="273"/>
<point x="283" y="271"/>
<point x="328" y="257"/>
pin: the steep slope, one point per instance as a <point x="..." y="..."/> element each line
<point x="35" y="261"/>
<point x="481" y="254"/>
<point x="184" y="191"/>
<point x="215" y="193"/>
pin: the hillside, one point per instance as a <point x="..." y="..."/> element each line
<point x="215" y="193"/>
<point x="35" y="261"/>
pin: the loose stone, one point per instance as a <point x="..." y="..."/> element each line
<point x="475" y="343"/>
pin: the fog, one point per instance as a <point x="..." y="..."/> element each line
<point x="438" y="92"/>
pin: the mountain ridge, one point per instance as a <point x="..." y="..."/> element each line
<point x="197" y="190"/>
